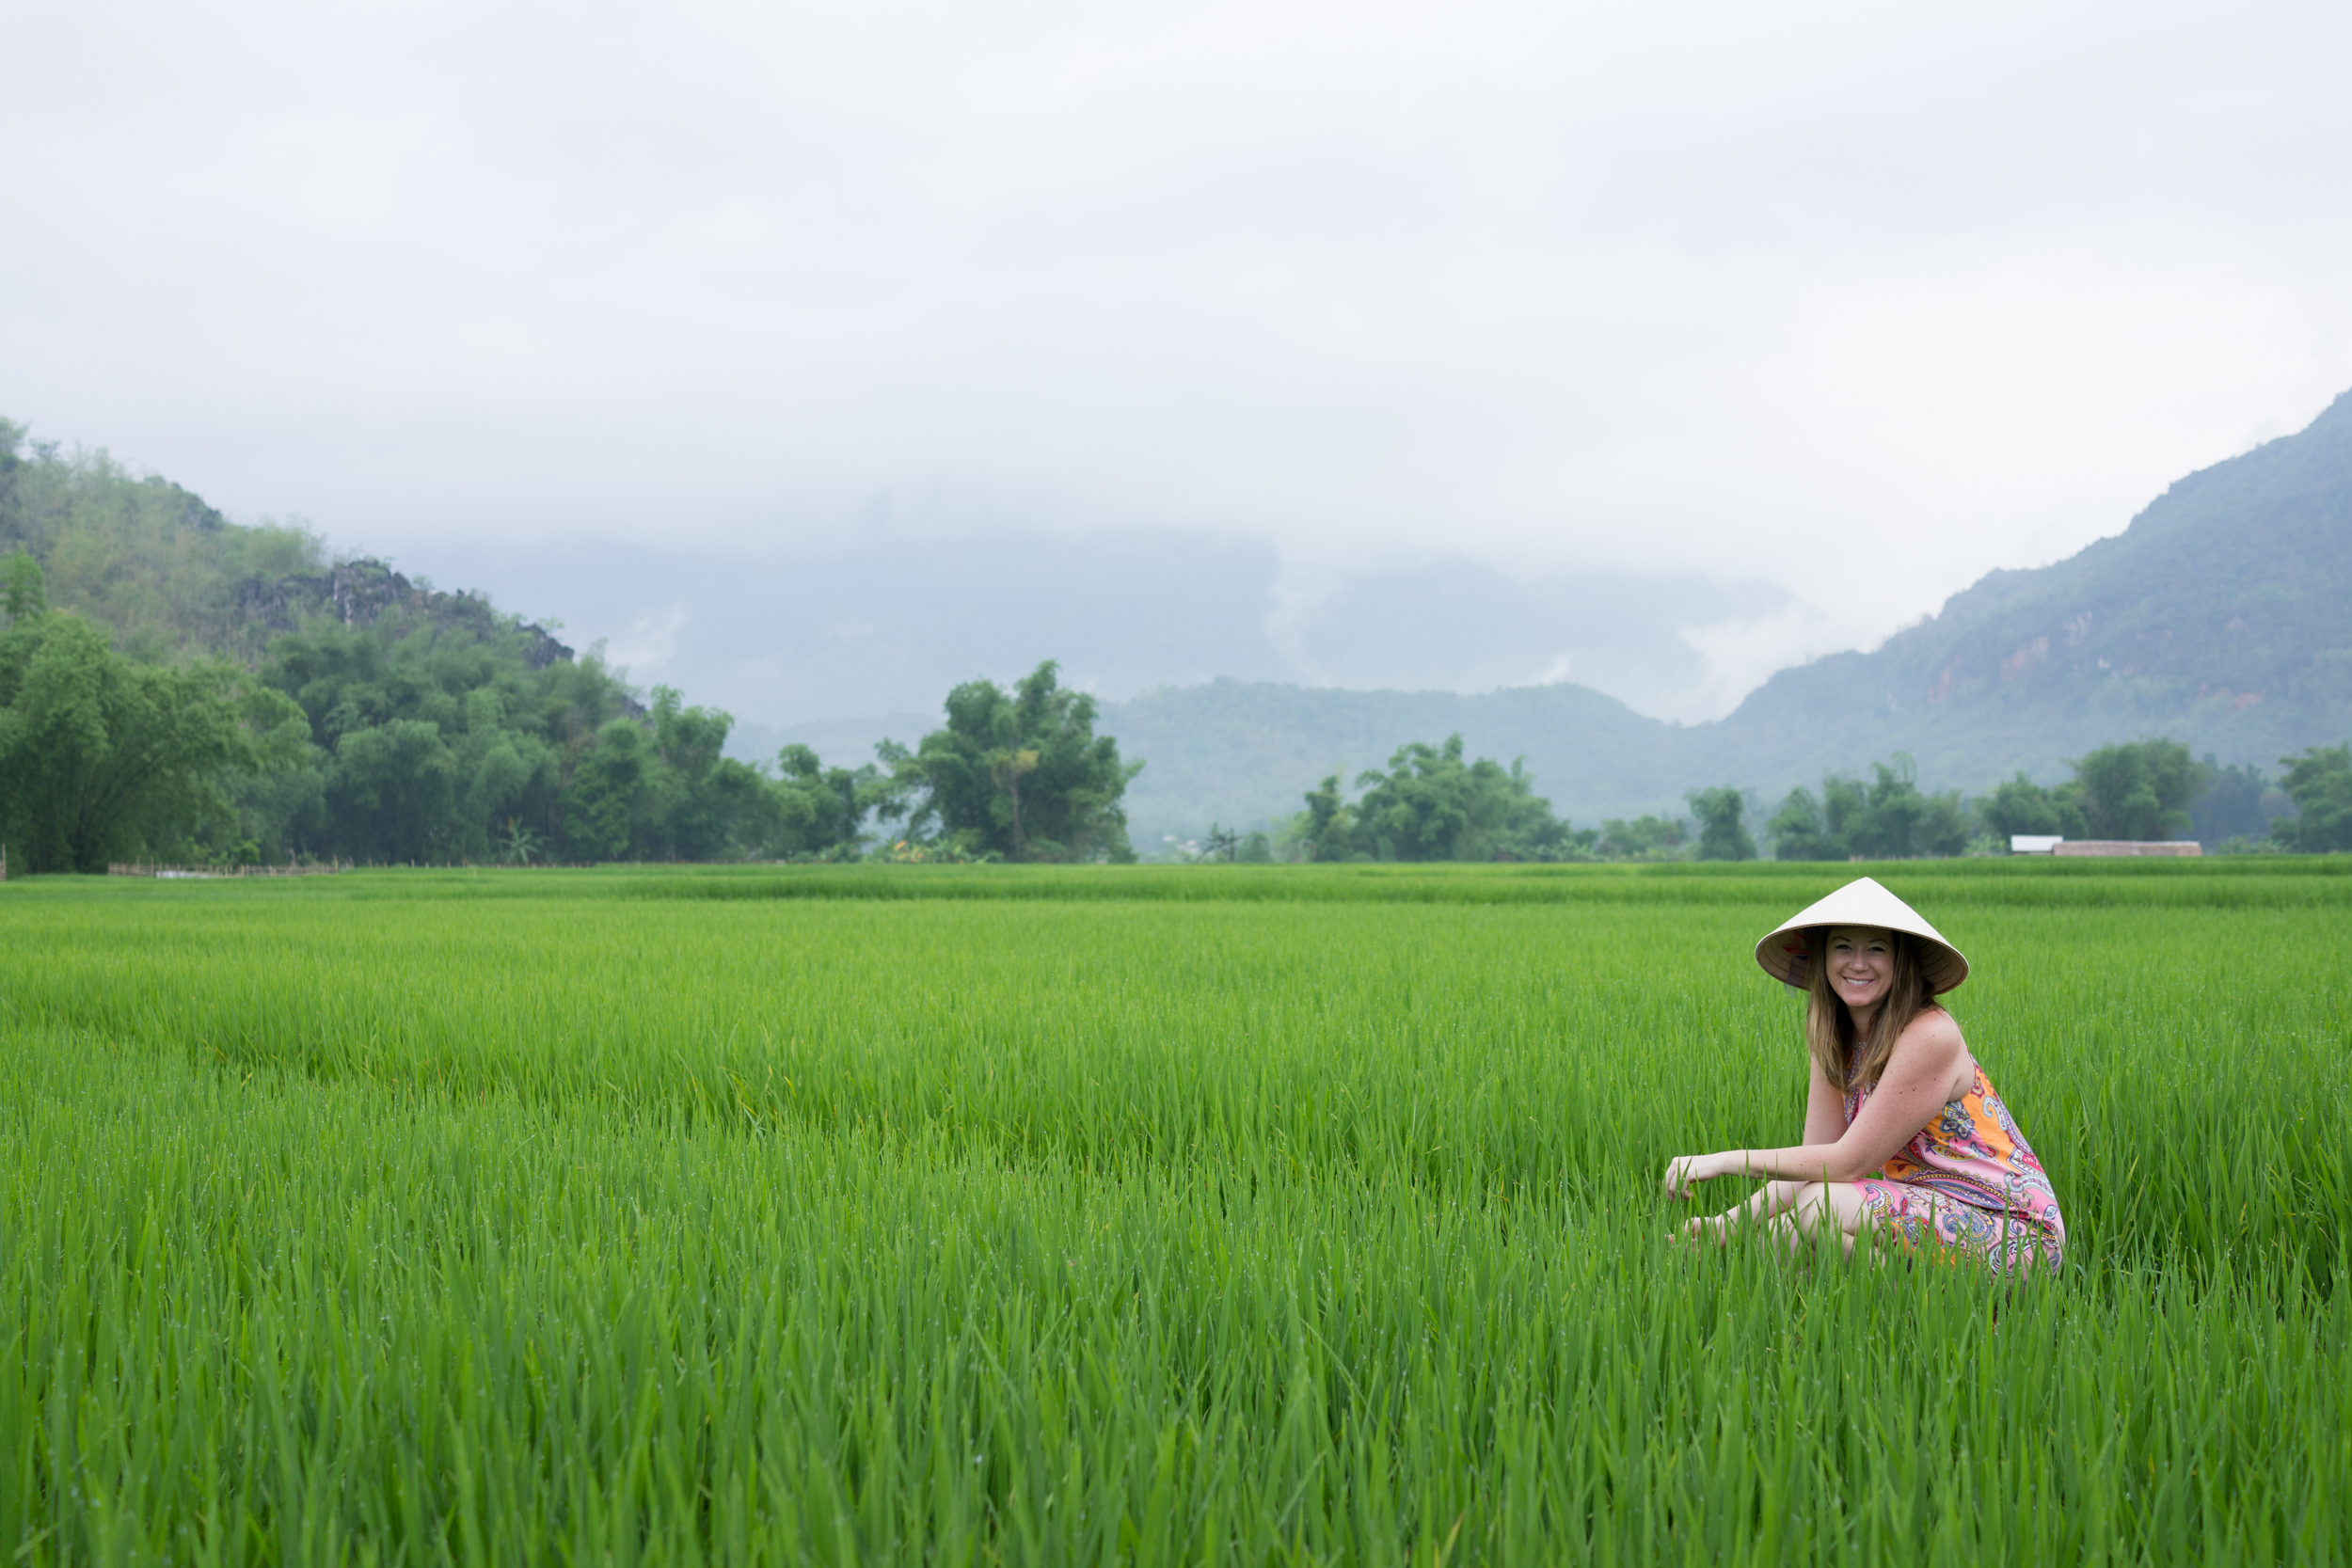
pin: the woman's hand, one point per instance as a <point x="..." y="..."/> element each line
<point x="1684" y="1172"/>
<point x="1700" y="1226"/>
<point x="1759" y="1205"/>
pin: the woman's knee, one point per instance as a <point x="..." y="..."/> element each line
<point x="1838" y="1204"/>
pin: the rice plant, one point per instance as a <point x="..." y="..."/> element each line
<point x="995" y="1214"/>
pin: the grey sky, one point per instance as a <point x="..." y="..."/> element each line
<point x="1856" y="300"/>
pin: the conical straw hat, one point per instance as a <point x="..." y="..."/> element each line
<point x="1787" y="953"/>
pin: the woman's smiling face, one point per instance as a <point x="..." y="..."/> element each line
<point x="1861" y="960"/>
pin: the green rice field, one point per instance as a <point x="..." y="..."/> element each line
<point x="1232" y="1214"/>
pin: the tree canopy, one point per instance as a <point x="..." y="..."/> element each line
<point x="2139" y="790"/>
<point x="1433" y="805"/>
<point x="1889" y="817"/>
<point x="101" y="755"/>
<point x="1018" y="775"/>
<point x="1722" y="836"/>
<point x="2319" y="782"/>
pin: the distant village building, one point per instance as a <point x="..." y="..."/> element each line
<point x="2052" y="844"/>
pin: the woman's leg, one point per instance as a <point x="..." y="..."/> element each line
<point x="1761" y="1206"/>
<point x="1838" y="1206"/>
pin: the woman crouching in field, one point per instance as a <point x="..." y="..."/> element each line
<point x="1903" y="1133"/>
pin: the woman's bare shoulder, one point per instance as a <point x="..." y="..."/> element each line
<point x="1934" y="1027"/>
<point x="1932" y="1044"/>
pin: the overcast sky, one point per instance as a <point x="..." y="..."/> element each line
<point x="1857" y="300"/>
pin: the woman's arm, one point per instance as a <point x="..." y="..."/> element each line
<point x="1824" y="1106"/>
<point x="1916" y="1084"/>
<point x="1824" y="1123"/>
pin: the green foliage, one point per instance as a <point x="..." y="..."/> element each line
<point x="1797" y="830"/>
<point x="1887" y="818"/>
<point x="2136" y="791"/>
<point x="1722" y="836"/>
<point x="521" y="846"/>
<point x="1028" y="1213"/>
<point x="600" y="811"/>
<point x="2019" y="805"/>
<point x="2139" y="791"/>
<point x="819" y="811"/>
<point x="147" y="561"/>
<point x="439" y="730"/>
<point x="1432" y="806"/>
<point x="429" y="741"/>
<point x="102" y="758"/>
<point x="2238" y="802"/>
<point x="23" y="590"/>
<point x="1329" y="829"/>
<point x="1019" y="775"/>
<point x="1644" y="838"/>
<point x="2319" y="782"/>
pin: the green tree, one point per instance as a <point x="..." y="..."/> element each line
<point x="600" y="807"/>
<point x="2237" y="802"/>
<point x="1644" y="838"/>
<point x="2319" y="782"/>
<point x="2139" y="790"/>
<point x="102" y="758"/>
<point x="1888" y="818"/>
<point x="1846" y="816"/>
<point x="1432" y="806"/>
<point x="2019" y="805"/>
<point x="819" y="811"/>
<point x="1018" y="774"/>
<point x="394" y="787"/>
<point x="1722" y="836"/>
<point x="1797" y="830"/>
<point x="699" y="804"/>
<point x="1329" y="829"/>
<point x="438" y="728"/>
<point x="520" y="846"/>
<point x="23" y="593"/>
<point x="508" y="725"/>
<point x="428" y="741"/>
<point x="1898" y="821"/>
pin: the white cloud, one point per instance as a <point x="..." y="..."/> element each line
<point x="650" y="642"/>
<point x="1739" y="654"/>
<point x="1865" y="300"/>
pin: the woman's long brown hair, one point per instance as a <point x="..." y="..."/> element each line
<point x="1829" y="1031"/>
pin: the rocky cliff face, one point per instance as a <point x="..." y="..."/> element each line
<point x="361" y="592"/>
<point x="2222" y="615"/>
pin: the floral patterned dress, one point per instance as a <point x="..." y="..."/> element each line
<point x="1969" y="1181"/>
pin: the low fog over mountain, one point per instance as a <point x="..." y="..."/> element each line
<point x="883" y="625"/>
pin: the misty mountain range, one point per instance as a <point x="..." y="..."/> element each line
<point x="2222" y="617"/>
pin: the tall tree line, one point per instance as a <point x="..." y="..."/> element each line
<point x="425" y="744"/>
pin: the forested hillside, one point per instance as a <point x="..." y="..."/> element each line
<point x="347" y="713"/>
